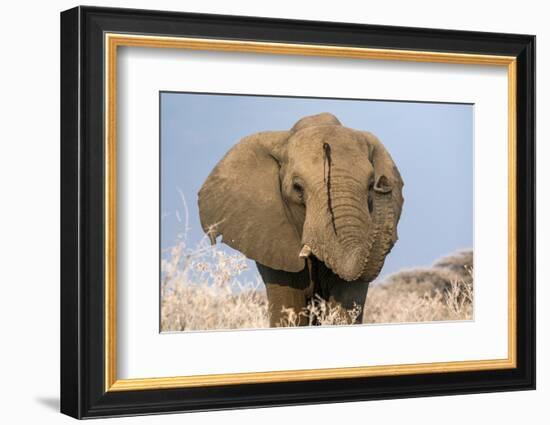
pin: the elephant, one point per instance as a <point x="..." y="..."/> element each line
<point x="316" y="207"/>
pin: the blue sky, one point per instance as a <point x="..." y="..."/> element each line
<point x="432" y="144"/>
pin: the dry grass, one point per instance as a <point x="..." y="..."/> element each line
<point x="202" y="289"/>
<point x="400" y="303"/>
<point x="442" y="292"/>
<point x="320" y="313"/>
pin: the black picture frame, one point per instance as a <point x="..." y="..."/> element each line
<point x="83" y="392"/>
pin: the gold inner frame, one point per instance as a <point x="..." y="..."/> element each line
<point x="113" y="41"/>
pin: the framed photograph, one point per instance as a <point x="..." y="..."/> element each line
<point x="261" y="212"/>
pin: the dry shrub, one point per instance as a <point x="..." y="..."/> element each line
<point x="320" y="313"/>
<point x="442" y="292"/>
<point x="439" y="277"/>
<point x="387" y="304"/>
<point x="200" y="291"/>
<point x="460" y="263"/>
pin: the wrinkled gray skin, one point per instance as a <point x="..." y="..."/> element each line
<point x="333" y="189"/>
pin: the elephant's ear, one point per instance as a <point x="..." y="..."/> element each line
<point x="241" y="200"/>
<point x="387" y="178"/>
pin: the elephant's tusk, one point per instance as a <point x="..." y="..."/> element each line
<point x="305" y="252"/>
<point x="212" y="237"/>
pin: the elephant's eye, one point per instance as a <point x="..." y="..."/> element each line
<point x="298" y="188"/>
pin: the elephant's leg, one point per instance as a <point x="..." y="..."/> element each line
<point x="350" y="295"/>
<point x="286" y="305"/>
<point x="289" y="291"/>
<point x="340" y="293"/>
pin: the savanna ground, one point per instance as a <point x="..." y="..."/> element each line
<point x="202" y="289"/>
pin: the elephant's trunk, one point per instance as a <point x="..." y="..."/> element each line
<point x="352" y="242"/>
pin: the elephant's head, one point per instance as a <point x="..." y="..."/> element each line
<point x="318" y="189"/>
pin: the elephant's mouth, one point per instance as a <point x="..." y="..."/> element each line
<point x="351" y="268"/>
